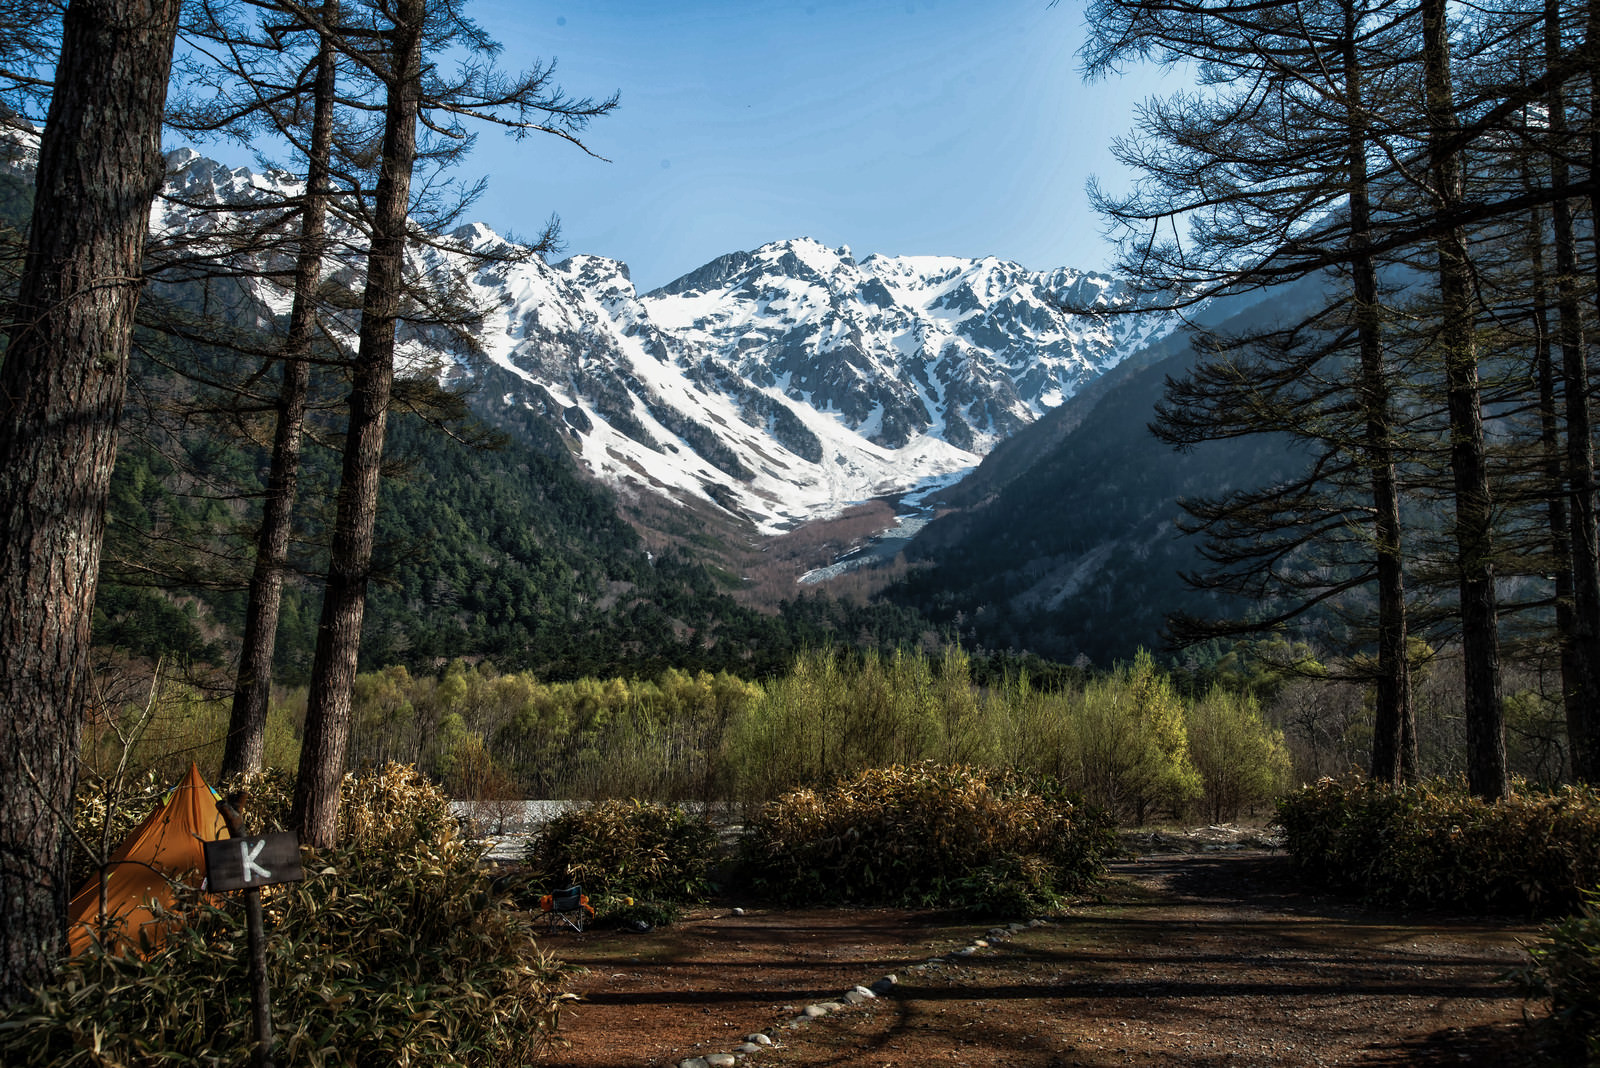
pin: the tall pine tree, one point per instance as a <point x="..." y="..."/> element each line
<point x="61" y="392"/>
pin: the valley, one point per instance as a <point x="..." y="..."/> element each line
<point x="889" y="517"/>
<point x="745" y="421"/>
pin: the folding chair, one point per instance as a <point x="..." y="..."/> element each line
<point x="566" y="908"/>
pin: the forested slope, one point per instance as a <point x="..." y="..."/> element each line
<point x="491" y="543"/>
<point x="1064" y="542"/>
<point x="502" y="551"/>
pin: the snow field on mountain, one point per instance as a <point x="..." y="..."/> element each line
<point x="784" y="384"/>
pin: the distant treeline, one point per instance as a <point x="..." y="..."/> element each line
<point x="1126" y="739"/>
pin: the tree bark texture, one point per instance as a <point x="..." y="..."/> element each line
<point x="61" y="394"/>
<point x="1591" y="42"/>
<point x="327" y="731"/>
<point x="252" y="694"/>
<point x="1480" y="639"/>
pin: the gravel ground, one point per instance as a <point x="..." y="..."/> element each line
<point x="1202" y="952"/>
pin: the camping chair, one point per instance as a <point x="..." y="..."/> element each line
<point x="566" y="908"/>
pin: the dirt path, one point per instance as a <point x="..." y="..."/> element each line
<point x="1207" y="959"/>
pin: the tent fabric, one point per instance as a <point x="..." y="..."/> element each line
<point x="167" y="847"/>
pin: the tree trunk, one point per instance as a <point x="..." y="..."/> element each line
<point x="252" y="693"/>
<point x="1591" y="42"/>
<point x="327" y="731"/>
<point x="1582" y="642"/>
<point x="1480" y="639"/>
<point x="61" y="392"/>
<point x="1554" y="469"/>
<point x="1394" y="756"/>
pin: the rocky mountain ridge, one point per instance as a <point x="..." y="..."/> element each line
<point x="777" y="385"/>
<point x="785" y="383"/>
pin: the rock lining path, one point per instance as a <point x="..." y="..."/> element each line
<point x="1205" y="959"/>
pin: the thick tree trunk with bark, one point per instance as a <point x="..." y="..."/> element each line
<point x="1457" y="345"/>
<point x="327" y="731"/>
<point x="61" y="392"/>
<point x="1591" y="42"/>
<point x="252" y="694"/>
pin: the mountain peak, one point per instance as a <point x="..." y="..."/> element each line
<point x="781" y="384"/>
<point x="810" y="250"/>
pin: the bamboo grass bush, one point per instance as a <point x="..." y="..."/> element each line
<point x="631" y="857"/>
<point x="1433" y="845"/>
<point x="991" y="844"/>
<point x="396" y="949"/>
<point x="1565" y="969"/>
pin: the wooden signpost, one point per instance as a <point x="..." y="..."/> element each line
<point x="251" y="863"/>
<point x="248" y="864"/>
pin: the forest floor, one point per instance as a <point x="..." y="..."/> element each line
<point x="1199" y="952"/>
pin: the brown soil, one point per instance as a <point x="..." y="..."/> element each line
<point x="1208" y="958"/>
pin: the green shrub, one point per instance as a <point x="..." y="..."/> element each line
<point x="1122" y="740"/>
<point x="1131" y="745"/>
<point x="1565" y="968"/>
<point x="1433" y="845"/>
<point x="394" y="950"/>
<point x="927" y="835"/>
<point x="657" y="854"/>
<point x="1241" y="761"/>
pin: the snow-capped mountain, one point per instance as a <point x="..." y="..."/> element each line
<point x="789" y="382"/>
<point x="781" y="384"/>
<point x="984" y="343"/>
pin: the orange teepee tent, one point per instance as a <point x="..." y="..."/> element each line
<point x="166" y="847"/>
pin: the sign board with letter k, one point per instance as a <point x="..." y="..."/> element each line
<point x="250" y="863"/>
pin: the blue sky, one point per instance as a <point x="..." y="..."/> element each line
<point x="905" y="127"/>
<point x="911" y="127"/>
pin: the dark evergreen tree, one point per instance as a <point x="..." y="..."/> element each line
<point x="1579" y="631"/>
<point x="247" y="99"/>
<point x="400" y="44"/>
<point x="1434" y="117"/>
<point x="1271" y="170"/>
<point x="1456" y="345"/>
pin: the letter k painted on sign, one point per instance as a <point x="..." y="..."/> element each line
<point x="250" y="863"/>
<point x="248" y="857"/>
